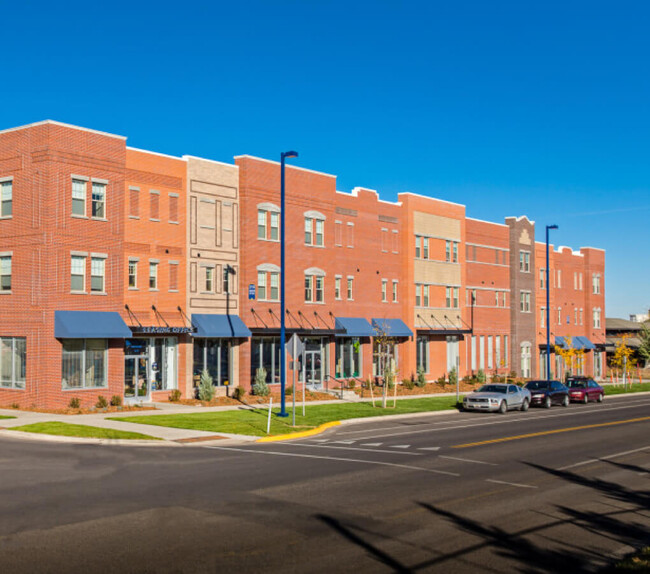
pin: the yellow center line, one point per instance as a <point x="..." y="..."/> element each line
<point x="543" y="433"/>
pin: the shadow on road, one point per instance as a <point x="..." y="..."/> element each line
<point x="516" y="548"/>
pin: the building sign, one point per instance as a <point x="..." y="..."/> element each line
<point x="251" y="291"/>
<point x="162" y="330"/>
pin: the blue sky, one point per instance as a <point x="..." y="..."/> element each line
<point x="508" y="107"/>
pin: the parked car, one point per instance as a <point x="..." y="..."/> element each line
<point x="547" y="393"/>
<point x="584" y="389"/>
<point x="497" y="397"/>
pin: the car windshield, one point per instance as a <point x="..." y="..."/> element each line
<point x="537" y="385"/>
<point x="492" y="389"/>
<point x="576" y="384"/>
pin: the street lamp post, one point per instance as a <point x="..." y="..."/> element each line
<point x="283" y="368"/>
<point x="548" y="309"/>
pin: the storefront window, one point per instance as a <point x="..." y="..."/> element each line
<point x="84" y="363"/>
<point x="348" y="357"/>
<point x="382" y="354"/>
<point x="13" y="362"/>
<point x="265" y="352"/>
<point x="212" y="354"/>
<point x="422" y="352"/>
<point x="163" y="363"/>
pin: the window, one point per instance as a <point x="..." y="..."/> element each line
<point x="309" y="287"/>
<point x="309" y="224"/>
<point x="78" y="197"/>
<point x="481" y="352"/>
<point x="261" y="224"/>
<point x="99" y="200"/>
<point x="154" y="205"/>
<point x="596" y="318"/>
<point x="173" y="208"/>
<point x="451" y="251"/>
<point x="418" y="240"/>
<point x="5" y="273"/>
<point x="575" y="316"/>
<point x="595" y="283"/>
<point x="350" y="287"/>
<point x="524" y="261"/>
<point x="447" y="250"/>
<point x="580" y="281"/>
<point x="314" y="230"/>
<point x="497" y="351"/>
<point x="490" y="364"/>
<point x="209" y="281"/>
<point x="542" y="278"/>
<point x="153" y="275"/>
<point x="211" y="355"/>
<point x="524" y="301"/>
<point x="134" y="202"/>
<point x="78" y="273"/>
<point x="394" y="291"/>
<point x="542" y="317"/>
<point x="275" y="289"/>
<point x="454" y="253"/>
<point x="261" y="285"/>
<point x="525" y="359"/>
<point x="97" y="271"/>
<point x="227" y="270"/>
<point x="314" y="288"/>
<point x="320" y="226"/>
<point x="448" y="297"/>
<point x="505" y="350"/>
<point x="418" y="295"/>
<point x="84" y="363"/>
<point x="275" y="226"/>
<point x="422" y="349"/>
<point x="559" y="315"/>
<point x="6" y="198"/>
<point x="559" y="278"/>
<point x="425" y="295"/>
<point x="497" y="297"/>
<point x="133" y="273"/>
<point x="425" y="248"/>
<point x="456" y="292"/>
<point x="384" y="289"/>
<point x="319" y="289"/>
<point x="337" y="288"/>
<point x="473" y="353"/>
<point x="348" y="357"/>
<point x="13" y="362"/>
<point x="451" y="297"/>
<point x="265" y="352"/>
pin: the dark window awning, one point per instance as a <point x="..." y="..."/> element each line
<point x="90" y="325"/>
<point x="353" y="327"/>
<point x="443" y="332"/>
<point x="391" y="328"/>
<point x="220" y="326"/>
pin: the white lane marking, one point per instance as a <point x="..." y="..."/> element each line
<point x="360" y="461"/>
<point x="592" y="460"/>
<point x="510" y="483"/>
<point x="350" y="448"/>
<point x="430" y="448"/>
<point x="372" y="444"/>
<point x="343" y="442"/>
<point x="320" y="440"/>
<point x="467" y="460"/>
<point x="400" y="446"/>
<point x="571" y="413"/>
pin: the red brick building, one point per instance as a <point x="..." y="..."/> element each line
<point x="127" y="272"/>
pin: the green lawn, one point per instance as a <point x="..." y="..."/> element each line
<point x="253" y="423"/>
<point x="4" y="417"/>
<point x="66" y="429"/>
<point x="620" y="389"/>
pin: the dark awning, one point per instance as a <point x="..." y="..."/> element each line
<point x="391" y="328"/>
<point x="90" y="325"/>
<point x="353" y="327"/>
<point x="443" y="332"/>
<point x="220" y="326"/>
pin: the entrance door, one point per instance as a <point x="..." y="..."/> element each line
<point x="313" y="368"/>
<point x="136" y="381"/>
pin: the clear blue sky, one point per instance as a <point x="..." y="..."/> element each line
<point x="508" y="107"/>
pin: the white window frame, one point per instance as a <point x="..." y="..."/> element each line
<point x="153" y="275"/>
<point x="384" y="290"/>
<point x="337" y="287"/>
<point x="395" y="294"/>
<point x="132" y="262"/>
<point x="81" y="261"/>
<point x="6" y="197"/>
<point x="79" y="194"/>
<point x="98" y="189"/>
<point x="350" y="288"/>
<point x="6" y="270"/>
<point x="98" y="270"/>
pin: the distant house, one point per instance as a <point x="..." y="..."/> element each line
<point x="614" y="331"/>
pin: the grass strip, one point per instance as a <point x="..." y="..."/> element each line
<point x="253" y="422"/>
<point x="2" y="417"/>
<point x="620" y="389"/>
<point x="67" y="429"/>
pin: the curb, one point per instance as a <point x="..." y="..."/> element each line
<point x="318" y="430"/>
<point x="24" y="435"/>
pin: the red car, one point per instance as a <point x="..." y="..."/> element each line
<point x="584" y="389"/>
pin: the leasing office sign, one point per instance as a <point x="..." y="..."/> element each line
<point x="162" y="330"/>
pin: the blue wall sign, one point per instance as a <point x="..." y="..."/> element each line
<point x="251" y="291"/>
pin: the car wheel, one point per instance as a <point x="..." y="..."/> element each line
<point x="565" y="401"/>
<point x="600" y="398"/>
<point x="503" y="407"/>
<point x="585" y="398"/>
<point x="547" y="402"/>
<point x="524" y="405"/>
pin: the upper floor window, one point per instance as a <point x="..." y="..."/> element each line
<point x="421" y="295"/>
<point x="559" y="278"/>
<point x="524" y="301"/>
<point x="580" y="281"/>
<point x="542" y="317"/>
<point x="451" y="297"/>
<point x="350" y="288"/>
<point x="451" y="251"/>
<point x="314" y="284"/>
<point x="209" y="279"/>
<point x="524" y="261"/>
<point x="78" y="273"/>
<point x="268" y="222"/>
<point x="5" y="273"/>
<point x="425" y="248"/>
<point x="79" y="197"/>
<point x="97" y="271"/>
<point x="133" y="273"/>
<point x="99" y="200"/>
<point x="227" y="271"/>
<point x="384" y="290"/>
<point x="595" y="283"/>
<point x="337" y="287"/>
<point x="597" y="318"/>
<point x="153" y="275"/>
<point x="6" y="197"/>
<point x="418" y="248"/>
<point x="542" y="278"/>
<point x="559" y="315"/>
<point x="314" y="229"/>
<point x="268" y="281"/>
<point x="395" y="291"/>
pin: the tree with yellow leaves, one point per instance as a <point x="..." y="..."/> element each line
<point x="573" y="358"/>
<point x="621" y="359"/>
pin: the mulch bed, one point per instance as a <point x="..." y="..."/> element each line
<point x="249" y="399"/>
<point x="82" y="410"/>
<point x="428" y="389"/>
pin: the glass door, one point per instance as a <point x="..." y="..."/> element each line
<point x="136" y="381"/>
<point x="313" y="369"/>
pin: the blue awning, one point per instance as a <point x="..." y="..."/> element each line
<point x="560" y="342"/>
<point x="220" y="326"/>
<point x="90" y="325"/>
<point x="577" y="342"/>
<point x="391" y="327"/>
<point x="353" y="327"/>
<point x="585" y="343"/>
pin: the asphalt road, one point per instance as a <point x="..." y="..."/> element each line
<point x="560" y="490"/>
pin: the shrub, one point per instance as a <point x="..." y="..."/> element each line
<point x="206" y="388"/>
<point x="17" y="406"/>
<point x="260" y="388"/>
<point x="351" y="384"/>
<point x="408" y="384"/>
<point x="442" y="381"/>
<point x="480" y="376"/>
<point x="512" y="374"/>
<point x="238" y="393"/>
<point x="116" y="401"/>
<point x="101" y="403"/>
<point x="453" y="376"/>
<point x="422" y="379"/>
<point x="288" y="391"/>
<point x="174" y="396"/>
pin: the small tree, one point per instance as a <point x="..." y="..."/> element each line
<point x="570" y="356"/>
<point x="260" y="388"/>
<point x="621" y="359"/>
<point x="644" y="349"/>
<point x="453" y="376"/>
<point x="480" y="376"/>
<point x="422" y="379"/>
<point x="389" y="380"/>
<point x="206" y="388"/>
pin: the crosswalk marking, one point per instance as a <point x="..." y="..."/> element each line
<point x="372" y="444"/>
<point x="400" y="446"/>
<point x="430" y="448"/>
